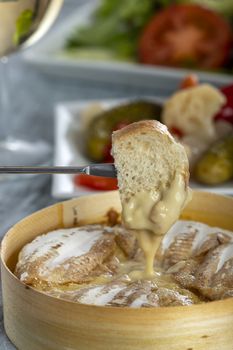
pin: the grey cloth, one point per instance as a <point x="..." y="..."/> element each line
<point x="33" y="96"/>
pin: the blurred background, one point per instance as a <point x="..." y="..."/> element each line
<point x="97" y="56"/>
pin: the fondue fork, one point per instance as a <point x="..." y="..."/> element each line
<point x="105" y="170"/>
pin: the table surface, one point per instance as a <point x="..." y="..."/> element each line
<point x="33" y="95"/>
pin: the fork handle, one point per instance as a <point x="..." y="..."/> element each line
<point x="105" y="170"/>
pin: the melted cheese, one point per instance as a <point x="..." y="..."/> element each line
<point x="151" y="215"/>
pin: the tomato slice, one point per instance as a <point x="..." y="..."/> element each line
<point x="226" y="113"/>
<point x="96" y="182"/>
<point x="228" y="92"/>
<point x="186" y="35"/>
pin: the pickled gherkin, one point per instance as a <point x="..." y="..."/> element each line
<point x="216" y="165"/>
<point x="98" y="135"/>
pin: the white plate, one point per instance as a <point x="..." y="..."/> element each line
<point x="47" y="57"/>
<point x="68" y="139"/>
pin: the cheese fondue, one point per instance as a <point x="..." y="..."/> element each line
<point x="151" y="215"/>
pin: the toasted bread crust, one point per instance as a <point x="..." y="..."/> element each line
<point x="141" y="127"/>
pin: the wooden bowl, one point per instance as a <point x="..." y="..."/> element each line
<point x="35" y="321"/>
